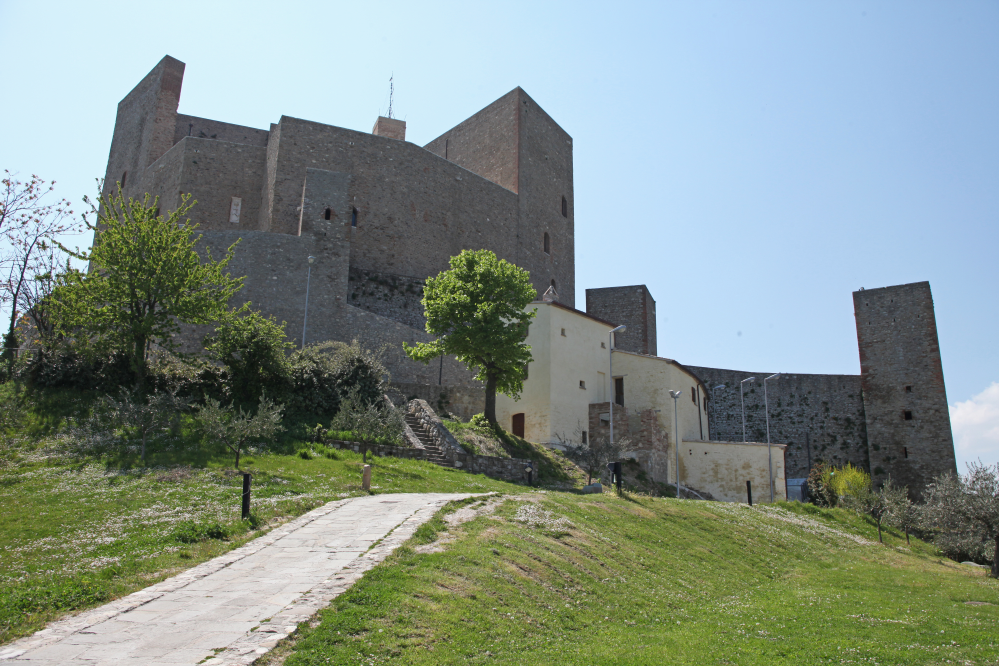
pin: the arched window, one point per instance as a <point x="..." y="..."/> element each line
<point x="548" y="244"/>
<point x="565" y="207"/>
<point x="328" y="214"/>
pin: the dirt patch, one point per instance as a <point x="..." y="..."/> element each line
<point x="454" y="520"/>
<point x="977" y="603"/>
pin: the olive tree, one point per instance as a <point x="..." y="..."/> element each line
<point x="963" y="511"/>
<point x="477" y="311"/>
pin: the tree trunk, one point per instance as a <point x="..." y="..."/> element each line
<point x="491" y="399"/>
<point x="238" y="448"/>
<point x="143" y="448"/>
<point x="907" y="536"/>
<point x="880" y="540"/>
<point x="139" y="365"/>
<point x="995" y="560"/>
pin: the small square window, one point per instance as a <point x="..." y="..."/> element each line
<point x="582" y="384"/>
<point x="907" y="415"/>
<point x="603" y="345"/>
<point x="908" y="389"/>
<point x="563" y="332"/>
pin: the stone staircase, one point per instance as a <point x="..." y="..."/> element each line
<point x="434" y="453"/>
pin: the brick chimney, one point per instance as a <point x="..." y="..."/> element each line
<point x="392" y="128"/>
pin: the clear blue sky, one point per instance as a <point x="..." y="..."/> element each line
<point x="753" y="163"/>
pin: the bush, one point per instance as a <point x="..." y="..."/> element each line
<point x="191" y="532"/>
<point x="375" y="422"/>
<point x="322" y="375"/>
<point x="849" y="482"/>
<point x="253" y="349"/>
<point x="64" y="367"/>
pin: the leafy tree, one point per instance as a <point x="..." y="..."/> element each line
<point x="477" y="311"/>
<point x="964" y="513"/>
<point x="145" y="280"/>
<point x="903" y="513"/>
<point x="236" y="428"/>
<point x="323" y="374"/>
<point x="253" y="348"/>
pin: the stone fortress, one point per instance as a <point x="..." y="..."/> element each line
<point x="379" y="215"/>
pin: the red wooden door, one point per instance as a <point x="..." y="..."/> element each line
<point x="518" y="425"/>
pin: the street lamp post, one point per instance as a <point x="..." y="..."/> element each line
<point x="743" y="401"/>
<point x="676" y="439"/>
<point x="766" y="408"/>
<point x="305" y="320"/>
<point x="610" y="369"/>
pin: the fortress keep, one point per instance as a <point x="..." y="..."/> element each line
<point x="380" y="215"/>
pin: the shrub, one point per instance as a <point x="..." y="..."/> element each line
<point x="850" y="482"/>
<point x="235" y="428"/>
<point x="321" y="376"/>
<point x="253" y="349"/>
<point x="191" y="532"/>
<point x="64" y="367"/>
<point x="376" y="422"/>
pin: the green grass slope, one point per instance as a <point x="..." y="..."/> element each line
<point x="560" y="578"/>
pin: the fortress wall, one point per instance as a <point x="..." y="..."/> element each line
<point x="828" y="409"/>
<point x="545" y="177"/>
<point x="486" y="143"/>
<point x="213" y="172"/>
<point x="144" y="126"/>
<point x="902" y="376"/>
<point x="632" y="306"/>
<point x="203" y="128"/>
<point x="394" y="296"/>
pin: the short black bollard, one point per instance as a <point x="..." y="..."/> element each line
<point x="530" y="475"/>
<point x="749" y="491"/>
<point x="246" y="495"/>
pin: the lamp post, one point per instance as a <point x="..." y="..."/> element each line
<point x="676" y="439"/>
<point x="305" y="321"/>
<point x="766" y="408"/>
<point x="743" y="401"/>
<point x="610" y="369"/>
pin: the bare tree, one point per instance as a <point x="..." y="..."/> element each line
<point x="28" y="227"/>
<point x="591" y="456"/>
<point x="964" y="513"/>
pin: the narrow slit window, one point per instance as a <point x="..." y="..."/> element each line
<point x="619" y="390"/>
<point x="693" y="396"/>
<point x="563" y="332"/>
<point x="565" y="207"/>
<point x="328" y="214"/>
<point x="905" y="451"/>
<point x="548" y="244"/>
<point x="553" y="285"/>
<point x="583" y="437"/>
<point x="353" y="216"/>
<point x="124" y="176"/>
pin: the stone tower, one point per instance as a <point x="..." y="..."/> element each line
<point x="632" y="306"/>
<point x="905" y="402"/>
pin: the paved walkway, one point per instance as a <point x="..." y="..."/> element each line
<point x="238" y="606"/>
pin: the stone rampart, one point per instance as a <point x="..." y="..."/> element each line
<point x="819" y="417"/>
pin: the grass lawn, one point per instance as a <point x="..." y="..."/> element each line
<point x="77" y="531"/>
<point x="560" y="578"/>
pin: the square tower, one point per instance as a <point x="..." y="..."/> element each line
<point x="905" y="401"/>
<point x="632" y="306"/>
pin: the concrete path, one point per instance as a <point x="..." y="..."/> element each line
<point x="236" y="607"/>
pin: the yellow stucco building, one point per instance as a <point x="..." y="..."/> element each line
<point x="567" y="400"/>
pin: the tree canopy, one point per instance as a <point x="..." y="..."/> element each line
<point x="477" y="311"/>
<point x="145" y="279"/>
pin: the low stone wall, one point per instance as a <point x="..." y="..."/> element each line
<point x="462" y="401"/>
<point x="439" y="433"/>
<point x="508" y="469"/>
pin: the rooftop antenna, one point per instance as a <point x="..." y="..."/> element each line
<point x="391" y="93"/>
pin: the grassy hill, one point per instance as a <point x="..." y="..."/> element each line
<point x="560" y="578"/>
